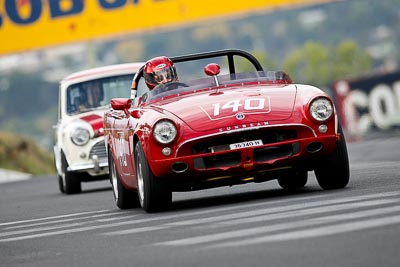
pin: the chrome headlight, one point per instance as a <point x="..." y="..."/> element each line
<point x="164" y="132"/>
<point x="321" y="109"/>
<point x="80" y="136"/>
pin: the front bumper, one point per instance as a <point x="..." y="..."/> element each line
<point x="294" y="154"/>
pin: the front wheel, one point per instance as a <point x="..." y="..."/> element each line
<point x="124" y="199"/>
<point x="61" y="185"/>
<point x="69" y="182"/>
<point x="153" y="194"/>
<point x="333" y="172"/>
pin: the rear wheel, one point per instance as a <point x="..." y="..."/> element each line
<point x="334" y="172"/>
<point x="124" y="198"/>
<point x="69" y="182"/>
<point x="153" y="194"/>
<point x="293" y="180"/>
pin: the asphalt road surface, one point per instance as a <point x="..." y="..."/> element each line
<point x="248" y="225"/>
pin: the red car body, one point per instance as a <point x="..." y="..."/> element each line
<point x="221" y="130"/>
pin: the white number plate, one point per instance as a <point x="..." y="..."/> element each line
<point x="246" y="144"/>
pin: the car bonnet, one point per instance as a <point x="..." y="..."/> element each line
<point x="257" y="105"/>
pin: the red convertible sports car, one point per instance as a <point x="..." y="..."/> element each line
<point x="221" y="127"/>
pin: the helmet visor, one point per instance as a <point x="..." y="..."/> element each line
<point x="163" y="76"/>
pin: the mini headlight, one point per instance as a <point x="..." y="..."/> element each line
<point x="164" y="132"/>
<point x="321" y="109"/>
<point x="80" y="136"/>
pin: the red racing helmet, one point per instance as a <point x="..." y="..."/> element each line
<point x="159" y="70"/>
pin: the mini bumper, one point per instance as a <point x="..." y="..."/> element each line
<point x="95" y="164"/>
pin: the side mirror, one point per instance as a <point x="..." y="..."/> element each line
<point x="212" y="69"/>
<point x="121" y="103"/>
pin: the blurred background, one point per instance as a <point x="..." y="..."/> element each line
<point x="349" y="48"/>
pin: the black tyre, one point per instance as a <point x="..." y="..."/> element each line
<point x="293" y="180"/>
<point x="124" y="198"/>
<point x="59" y="178"/>
<point x="333" y="172"/>
<point x="61" y="183"/>
<point x="153" y="194"/>
<point x="69" y="181"/>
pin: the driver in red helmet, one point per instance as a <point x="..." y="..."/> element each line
<point x="159" y="70"/>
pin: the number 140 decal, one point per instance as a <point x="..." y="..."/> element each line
<point x="241" y="105"/>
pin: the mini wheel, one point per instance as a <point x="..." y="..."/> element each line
<point x="69" y="182"/>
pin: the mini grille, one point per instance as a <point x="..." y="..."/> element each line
<point x="99" y="149"/>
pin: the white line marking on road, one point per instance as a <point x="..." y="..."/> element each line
<point x="317" y="232"/>
<point x="309" y="211"/>
<point x="62" y="232"/>
<point x="272" y="210"/>
<point x="138" y="221"/>
<point x="18" y="232"/>
<point x="276" y="227"/>
<point x="198" y="212"/>
<point x="270" y="207"/>
<point x="66" y="220"/>
<point x="53" y="217"/>
<point x="135" y="230"/>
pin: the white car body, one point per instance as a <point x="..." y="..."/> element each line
<point x="84" y="158"/>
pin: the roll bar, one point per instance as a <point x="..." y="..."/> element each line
<point x="229" y="53"/>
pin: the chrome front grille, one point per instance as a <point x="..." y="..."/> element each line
<point x="99" y="149"/>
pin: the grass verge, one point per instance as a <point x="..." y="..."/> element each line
<point x="22" y="154"/>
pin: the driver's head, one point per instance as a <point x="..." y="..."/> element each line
<point x="159" y="70"/>
<point x="94" y="93"/>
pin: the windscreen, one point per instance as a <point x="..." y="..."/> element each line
<point x="221" y="81"/>
<point x="96" y="94"/>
